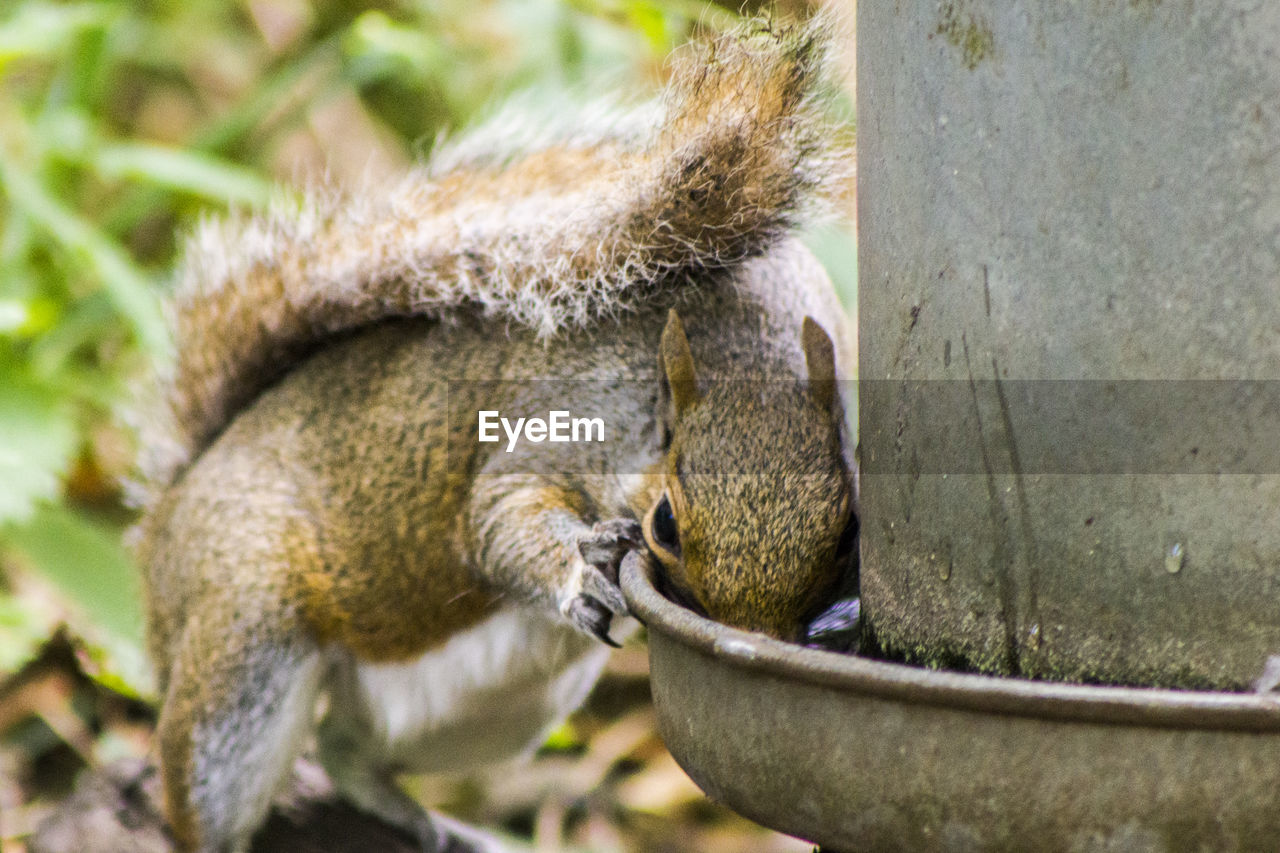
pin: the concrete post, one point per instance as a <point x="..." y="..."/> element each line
<point x="1086" y="192"/>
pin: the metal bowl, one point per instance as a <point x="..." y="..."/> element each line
<point x="861" y="755"/>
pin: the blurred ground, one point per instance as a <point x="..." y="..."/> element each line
<point x="604" y="783"/>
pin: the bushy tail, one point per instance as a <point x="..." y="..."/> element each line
<point x="552" y="233"/>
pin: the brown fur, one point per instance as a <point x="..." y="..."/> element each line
<point x="316" y="507"/>
<point x="740" y="155"/>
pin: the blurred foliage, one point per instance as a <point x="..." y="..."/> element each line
<point x="122" y="121"/>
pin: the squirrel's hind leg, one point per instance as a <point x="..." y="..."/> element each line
<point x="343" y="742"/>
<point x="236" y="712"/>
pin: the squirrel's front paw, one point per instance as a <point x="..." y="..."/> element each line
<point x="592" y="607"/>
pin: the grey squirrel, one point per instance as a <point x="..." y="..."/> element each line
<point x="317" y="529"/>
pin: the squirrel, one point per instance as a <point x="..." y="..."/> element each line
<point x="321" y="528"/>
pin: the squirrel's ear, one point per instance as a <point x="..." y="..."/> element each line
<point x="676" y="363"/>
<point x="820" y="356"/>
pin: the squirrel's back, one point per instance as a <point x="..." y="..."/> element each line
<point x="579" y="227"/>
<point x="359" y="425"/>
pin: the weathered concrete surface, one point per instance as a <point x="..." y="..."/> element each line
<point x="1075" y="190"/>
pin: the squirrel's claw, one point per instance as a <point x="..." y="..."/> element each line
<point x="591" y="617"/>
<point x="599" y="598"/>
<point x="608" y="542"/>
<point x="596" y="585"/>
<point x="591" y="610"/>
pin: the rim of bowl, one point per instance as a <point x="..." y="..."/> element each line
<point x="1130" y="706"/>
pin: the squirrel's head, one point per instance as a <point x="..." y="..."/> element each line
<point x="754" y="526"/>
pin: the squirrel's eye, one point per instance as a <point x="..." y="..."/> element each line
<point x="848" y="539"/>
<point x="663" y="527"/>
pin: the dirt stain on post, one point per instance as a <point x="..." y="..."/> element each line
<point x="966" y="32"/>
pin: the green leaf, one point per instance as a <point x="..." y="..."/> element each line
<point x="271" y="97"/>
<point x="50" y="353"/>
<point x="86" y="562"/>
<point x="187" y="171"/>
<point x="562" y="738"/>
<point x="379" y="47"/>
<point x="40" y="29"/>
<point x="652" y="22"/>
<point x="129" y="288"/>
<point x="23" y="631"/>
<point x="14" y="315"/>
<point x="37" y="440"/>
<point x="119" y="664"/>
